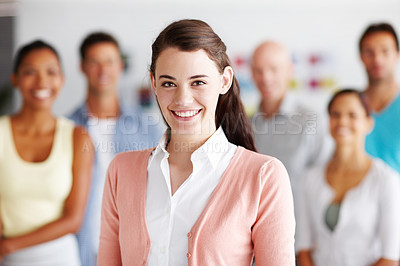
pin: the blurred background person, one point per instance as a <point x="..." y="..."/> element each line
<point x="283" y="127"/>
<point x="113" y="127"/>
<point x="379" y="52"/>
<point x="348" y="209"/>
<point x="45" y="168"/>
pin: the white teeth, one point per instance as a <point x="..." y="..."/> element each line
<point x="42" y="94"/>
<point x="187" y="113"/>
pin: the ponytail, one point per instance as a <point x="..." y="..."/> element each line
<point x="230" y="115"/>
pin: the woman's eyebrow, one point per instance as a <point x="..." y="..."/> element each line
<point x="166" y="77"/>
<point x="192" y="77"/>
<point x="198" y="76"/>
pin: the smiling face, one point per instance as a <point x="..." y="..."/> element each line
<point x="187" y="86"/>
<point x="379" y="55"/>
<point x="39" y="79"/>
<point x="103" y="68"/>
<point x="349" y="122"/>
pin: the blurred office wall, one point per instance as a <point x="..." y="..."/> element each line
<point x="312" y="29"/>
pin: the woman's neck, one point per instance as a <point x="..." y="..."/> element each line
<point x="181" y="148"/>
<point x="349" y="158"/>
<point x="186" y="144"/>
<point x="34" y="120"/>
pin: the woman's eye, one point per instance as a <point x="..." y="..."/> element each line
<point x="334" y="114"/>
<point x="28" y="72"/>
<point x="168" y="84"/>
<point x="385" y="51"/>
<point x="198" y="83"/>
<point x="53" y="72"/>
<point x="353" y="115"/>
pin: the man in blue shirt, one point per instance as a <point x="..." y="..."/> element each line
<point x="379" y="52"/>
<point x="112" y="126"/>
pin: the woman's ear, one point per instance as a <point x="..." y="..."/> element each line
<point x="227" y="79"/>
<point x="153" y="83"/>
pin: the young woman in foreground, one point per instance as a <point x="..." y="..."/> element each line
<point x="201" y="197"/>
<point x="348" y="209"/>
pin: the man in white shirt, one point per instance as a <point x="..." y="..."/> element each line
<point x="282" y="127"/>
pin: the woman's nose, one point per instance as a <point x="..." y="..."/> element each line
<point x="42" y="80"/>
<point x="343" y="120"/>
<point x="183" y="96"/>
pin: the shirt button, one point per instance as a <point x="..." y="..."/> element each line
<point x="189" y="235"/>
<point x="188" y="255"/>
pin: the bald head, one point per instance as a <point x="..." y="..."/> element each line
<point x="272" y="70"/>
<point x="270" y="48"/>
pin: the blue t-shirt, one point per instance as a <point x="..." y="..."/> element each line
<point x="384" y="141"/>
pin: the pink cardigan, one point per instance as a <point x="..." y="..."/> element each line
<point x="251" y="210"/>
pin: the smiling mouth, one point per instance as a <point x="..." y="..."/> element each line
<point x="42" y="94"/>
<point x="186" y="114"/>
<point x="343" y="131"/>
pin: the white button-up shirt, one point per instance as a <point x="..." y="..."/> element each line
<point x="369" y="220"/>
<point x="170" y="218"/>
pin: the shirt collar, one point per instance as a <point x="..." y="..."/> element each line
<point x="212" y="150"/>
<point x="160" y="148"/>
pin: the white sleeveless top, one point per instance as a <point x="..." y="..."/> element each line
<point x="32" y="194"/>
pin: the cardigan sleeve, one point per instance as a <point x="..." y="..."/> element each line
<point x="273" y="231"/>
<point x="109" y="249"/>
